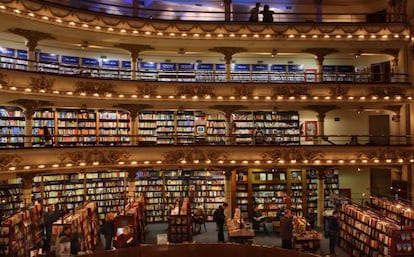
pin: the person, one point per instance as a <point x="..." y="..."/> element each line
<point x="199" y="219"/>
<point x="286" y="230"/>
<point x="258" y="135"/>
<point x="126" y="239"/>
<point x="75" y="244"/>
<point x="220" y="218"/>
<point x="257" y="218"/>
<point x="62" y="244"/>
<point x="353" y="140"/>
<point x="333" y="232"/>
<point x="107" y="230"/>
<point x="311" y="218"/>
<point x="254" y="13"/>
<point x="51" y="216"/>
<point x="46" y="138"/>
<point x="267" y="14"/>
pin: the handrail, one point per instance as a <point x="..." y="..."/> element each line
<point x="213" y="11"/>
<point x="118" y="73"/>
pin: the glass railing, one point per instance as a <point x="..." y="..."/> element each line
<point x="211" y="10"/>
<point x="116" y="73"/>
<point x="21" y="141"/>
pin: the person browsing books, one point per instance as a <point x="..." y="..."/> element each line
<point x="257" y="218"/>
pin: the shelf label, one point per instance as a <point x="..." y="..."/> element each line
<point x="220" y="66"/>
<point x="148" y="65"/>
<point x="5" y="51"/>
<point x="126" y="64"/>
<point x="22" y="54"/>
<point x="46" y="57"/>
<point x="205" y="66"/>
<point x="70" y="59"/>
<point x="295" y="67"/>
<point x="260" y="67"/>
<point x="329" y="68"/>
<point x="110" y="63"/>
<point x="90" y="61"/>
<point x="345" y="68"/>
<point x="168" y="66"/>
<point x="186" y="66"/>
<point x="241" y="67"/>
<point x="278" y="67"/>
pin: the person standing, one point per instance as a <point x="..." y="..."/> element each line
<point x="311" y="218"/>
<point x="267" y="14"/>
<point x="62" y="244"/>
<point x="51" y="216"/>
<point x="286" y="230"/>
<point x="333" y="232"/>
<point x="220" y="219"/>
<point x="254" y="13"/>
<point x="107" y="230"/>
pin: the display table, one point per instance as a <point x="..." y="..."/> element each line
<point x="240" y="235"/>
<point x="309" y="241"/>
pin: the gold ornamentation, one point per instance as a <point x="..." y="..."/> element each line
<point x="133" y="109"/>
<point x="33" y="37"/>
<point x="102" y="157"/>
<point x="42" y="83"/>
<point x="9" y="160"/>
<point x="243" y="90"/>
<point x="194" y="154"/>
<point x="94" y="87"/>
<point x="199" y="90"/>
<point x="147" y="89"/>
<point x="291" y="90"/>
<point x="30" y="106"/>
<point x="390" y="91"/>
<point x="338" y="91"/>
<point x="3" y="79"/>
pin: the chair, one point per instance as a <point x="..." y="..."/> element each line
<point x="199" y="219"/>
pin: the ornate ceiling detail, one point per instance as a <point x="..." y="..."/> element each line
<point x="297" y="154"/>
<point x="135" y="49"/>
<point x="94" y="156"/>
<point x="193" y="155"/>
<point x="94" y="87"/>
<point x="389" y="91"/>
<point x="42" y="83"/>
<point x="320" y="53"/>
<point x="322" y="109"/>
<point x="199" y="90"/>
<point x="9" y="160"/>
<point x="133" y="109"/>
<point x="147" y="89"/>
<point x="396" y="109"/>
<point x="228" y="52"/>
<point x="30" y="106"/>
<point x="32" y="36"/>
<point x="338" y="91"/>
<point x="291" y="90"/>
<point x="243" y="90"/>
<point x="4" y="81"/>
<point x="386" y="154"/>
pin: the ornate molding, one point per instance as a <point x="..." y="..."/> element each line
<point x="386" y="154"/>
<point x="94" y="156"/>
<point x="9" y="160"/>
<point x="94" y="87"/>
<point x="291" y="90"/>
<point x="32" y="36"/>
<point x="339" y="91"/>
<point x="244" y="90"/>
<point x="134" y="49"/>
<point x="42" y="83"/>
<point x="297" y="154"/>
<point x="133" y="109"/>
<point x="192" y="155"/>
<point x="147" y="89"/>
<point x="4" y="81"/>
<point x="199" y="90"/>
<point x="390" y="91"/>
<point x="228" y="52"/>
<point x="30" y="106"/>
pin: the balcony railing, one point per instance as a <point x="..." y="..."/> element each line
<point x="22" y="141"/>
<point x="268" y="76"/>
<point x="214" y="11"/>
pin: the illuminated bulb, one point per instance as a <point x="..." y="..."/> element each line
<point x="160" y="33"/>
<point x="196" y="161"/>
<point x="135" y="32"/>
<point x="55" y="165"/>
<point x="255" y="36"/>
<point x="268" y="97"/>
<point x="221" y="161"/>
<point x="95" y="94"/>
<point x="85" y="25"/>
<point x="220" y="35"/>
<point x="269" y="161"/>
<point x="184" y="34"/>
<point x="245" y="162"/>
<point x="303" y="36"/>
<point x="98" y="27"/>
<point x="147" y="33"/>
<point x="72" y="23"/>
<point x="121" y="96"/>
<point x="146" y="96"/>
<point x="134" y="96"/>
<point x="338" y="36"/>
<point x="69" y="93"/>
<point x="12" y="168"/>
<point x="172" y="34"/>
<point x="255" y="97"/>
<point x="68" y="164"/>
<point x="326" y="36"/>
<point x="110" y="29"/>
<point x="232" y="161"/>
<point x="134" y="162"/>
<point x="95" y="163"/>
<point x="232" y="35"/>
<point x="232" y="97"/>
<point x="291" y="36"/>
<point x="361" y="36"/>
<point x="158" y="97"/>
<point x="26" y="167"/>
<point x="147" y="162"/>
<point x="349" y="36"/>
<point x="121" y="163"/>
<point x="208" y="161"/>
<point x="268" y="36"/>
<point x="219" y="97"/>
<point x="159" y="162"/>
<point x="257" y="162"/>
<point x="31" y="14"/>
<point x="315" y="36"/>
<point x="41" y="166"/>
<point x="196" y="35"/>
<point x="122" y="31"/>
<point x="244" y="35"/>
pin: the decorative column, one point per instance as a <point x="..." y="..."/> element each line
<point x="228" y="190"/>
<point x="131" y="184"/>
<point x="321" y="110"/>
<point x="320" y="54"/>
<point x="227" y="10"/>
<point x="133" y="109"/>
<point x="32" y="38"/>
<point x="134" y="51"/>
<point x="228" y="56"/>
<point x="29" y="107"/>
<point x="228" y="111"/>
<point x="27" y="180"/>
<point x="321" y="196"/>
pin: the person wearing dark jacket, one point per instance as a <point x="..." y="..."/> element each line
<point x="220" y="219"/>
<point x="49" y="217"/>
<point x="75" y="244"/>
<point x="107" y="230"/>
<point x="286" y="230"/>
<point x="333" y="232"/>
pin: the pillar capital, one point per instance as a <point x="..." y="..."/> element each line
<point x="228" y="52"/>
<point x="134" y="49"/>
<point x="228" y="109"/>
<point x="30" y="106"/>
<point x="320" y="53"/>
<point x="32" y="36"/>
<point x="396" y="109"/>
<point x="321" y="109"/>
<point x="133" y="109"/>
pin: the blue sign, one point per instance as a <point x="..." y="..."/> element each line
<point x="110" y="63"/>
<point x="45" y="57"/>
<point x="148" y="65"/>
<point x="90" y="62"/>
<point x="241" y="67"/>
<point x="5" y="51"/>
<point x="260" y="67"/>
<point x="126" y="64"/>
<point x="295" y="68"/>
<point x="329" y="68"/>
<point x="345" y="68"/>
<point x="220" y="66"/>
<point x="205" y="66"/>
<point x="70" y="60"/>
<point x="22" y="54"/>
<point x="278" y="67"/>
<point x="186" y="66"/>
<point x="168" y="66"/>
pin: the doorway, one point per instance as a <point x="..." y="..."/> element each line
<point x="380" y="182"/>
<point x="379" y="129"/>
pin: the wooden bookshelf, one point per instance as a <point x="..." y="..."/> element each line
<point x="12" y="126"/>
<point x="179" y="221"/>
<point x="41" y="118"/>
<point x="114" y="127"/>
<point x="11" y="197"/>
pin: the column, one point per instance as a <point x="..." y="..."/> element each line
<point x="394" y="64"/>
<point x="32" y="38"/>
<point x="321" y="196"/>
<point x="320" y="54"/>
<point x="228" y="190"/>
<point x="227" y="10"/>
<point x="228" y="53"/>
<point x="134" y="110"/>
<point x="228" y="111"/>
<point x="321" y="110"/>
<point x="27" y="180"/>
<point x="134" y="51"/>
<point x="131" y="185"/>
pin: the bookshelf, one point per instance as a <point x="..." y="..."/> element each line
<point x="176" y="185"/>
<point x="179" y="221"/>
<point x="395" y="210"/>
<point x="243" y="127"/>
<point x="86" y="127"/>
<point x="216" y="128"/>
<point x="240" y="180"/>
<point x="185" y="127"/>
<point x="150" y="185"/>
<point x="114" y="127"/>
<point x="312" y="189"/>
<point x="297" y="196"/>
<point x="12" y="127"/>
<point x="147" y="128"/>
<point x="165" y="128"/>
<point x="67" y="127"/>
<point x="42" y="117"/>
<point x="11" y="197"/>
<point x="331" y="188"/>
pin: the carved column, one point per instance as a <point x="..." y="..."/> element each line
<point x="134" y="51"/>
<point x="228" y="111"/>
<point x="321" y="110"/>
<point x="320" y="54"/>
<point x="228" y="53"/>
<point x="32" y="38"/>
<point x="321" y="195"/>
<point x="133" y="109"/>
<point x="227" y="10"/>
<point x="228" y="190"/>
<point x="27" y="180"/>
